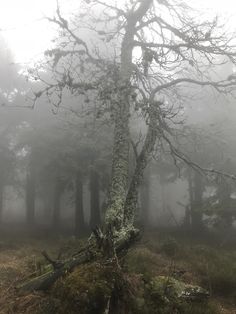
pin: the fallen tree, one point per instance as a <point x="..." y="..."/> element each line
<point x="100" y="245"/>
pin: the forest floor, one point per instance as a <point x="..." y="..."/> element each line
<point x="207" y="261"/>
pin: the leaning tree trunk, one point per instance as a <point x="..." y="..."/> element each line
<point x="120" y="159"/>
<point x="141" y="163"/>
<point x="79" y="210"/>
<point x="121" y="205"/>
<point x="121" y="112"/>
<point x="95" y="217"/>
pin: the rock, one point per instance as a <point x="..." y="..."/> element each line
<point x="169" y="289"/>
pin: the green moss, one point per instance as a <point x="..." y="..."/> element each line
<point x="164" y="295"/>
<point x="208" y="265"/>
<point x="176" y="289"/>
<point x="170" y="247"/>
<point x="196" y="308"/>
<point x="142" y="261"/>
<point x="86" y="290"/>
<point x="216" y="269"/>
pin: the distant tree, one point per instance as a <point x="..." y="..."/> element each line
<point x="9" y="78"/>
<point x="30" y="188"/>
<point x="90" y="161"/>
<point x="203" y="145"/>
<point x="199" y="145"/>
<point x="95" y="215"/>
<point x="73" y="159"/>
<point x="145" y="199"/>
<point x="220" y="207"/>
<point x="7" y="164"/>
<point x="79" y="205"/>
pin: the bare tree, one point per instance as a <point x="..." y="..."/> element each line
<point x="134" y="57"/>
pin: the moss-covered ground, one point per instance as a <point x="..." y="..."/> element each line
<point x="197" y="261"/>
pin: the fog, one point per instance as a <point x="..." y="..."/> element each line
<point x="117" y="127"/>
<point x="61" y="129"/>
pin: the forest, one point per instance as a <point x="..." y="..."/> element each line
<point x="118" y="158"/>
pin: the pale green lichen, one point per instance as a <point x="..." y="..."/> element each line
<point x="171" y="288"/>
<point x="164" y="295"/>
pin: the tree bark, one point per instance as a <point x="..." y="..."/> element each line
<point x="141" y="163"/>
<point x="79" y="210"/>
<point x="121" y="206"/>
<point x="87" y="254"/>
<point x="95" y="217"/>
<point x="121" y="112"/>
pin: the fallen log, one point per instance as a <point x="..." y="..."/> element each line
<point x="45" y="281"/>
<point x="86" y="255"/>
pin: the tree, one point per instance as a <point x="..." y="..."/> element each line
<point x="202" y="143"/>
<point x="7" y="164"/>
<point x="79" y="207"/>
<point x="9" y="78"/>
<point x="145" y="199"/>
<point x="221" y="205"/>
<point x="30" y="188"/>
<point x="159" y="48"/>
<point x="95" y="218"/>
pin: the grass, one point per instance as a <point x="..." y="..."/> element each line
<point x="192" y="260"/>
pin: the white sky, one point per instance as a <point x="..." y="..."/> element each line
<point x="29" y="36"/>
<point x="218" y="5"/>
<point x="23" y="25"/>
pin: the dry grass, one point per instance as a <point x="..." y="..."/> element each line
<point x="18" y="259"/>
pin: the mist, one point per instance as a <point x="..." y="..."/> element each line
<point x="117" y="157"/>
